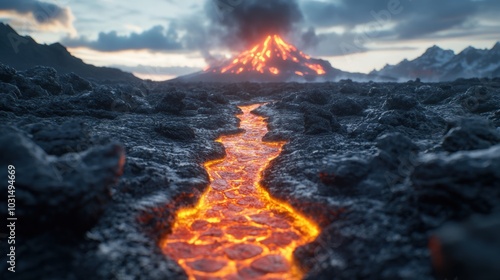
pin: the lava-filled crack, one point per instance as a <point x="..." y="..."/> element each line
<point x="237" y="230"/>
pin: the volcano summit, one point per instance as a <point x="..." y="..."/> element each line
<point x="272" y="60"/>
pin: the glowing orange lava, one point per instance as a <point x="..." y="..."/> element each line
<point x="273" y="56"/>
<point x="237" y="231"/>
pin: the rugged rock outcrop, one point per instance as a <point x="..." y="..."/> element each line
<point x="381" y="167"/>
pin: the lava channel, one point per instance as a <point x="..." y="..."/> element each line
<point x="237" y="230"/>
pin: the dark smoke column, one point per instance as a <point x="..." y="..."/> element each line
<point x="252" y="20"/>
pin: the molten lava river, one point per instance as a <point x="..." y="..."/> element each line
<point x="237" y="231"/>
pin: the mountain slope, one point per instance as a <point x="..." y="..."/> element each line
<point x="273" y="60"/>
<point x="437" y="64"/>
<point x="22" y="52"/>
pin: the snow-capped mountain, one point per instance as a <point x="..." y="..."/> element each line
<point x="437" y="64"/>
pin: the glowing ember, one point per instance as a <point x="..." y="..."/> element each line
<point x="273" y="56"/>
<point x="237" y="231"/>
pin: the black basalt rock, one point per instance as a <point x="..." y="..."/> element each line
<point x="480" y="99"/>
<point x="175" y="131"/>
<point x="171" y="103"/>
<point x="77" y="83"/>
<point x="470" y="249"/>
<point x="46" y="78"/>
<point x="457" y="185"/>
<point x="54" y="192"/>
<point x="345" y="107"/>
<point x="28" y="88"/>
<point x="7" y="73"/>
<point x="315" y="124"/>
<point x="11" y="90"/>
<point x="69" y="137"/>
<point x="400" y="102"/>
<point x="470" y="134"/>
<point x="101" y="98"/>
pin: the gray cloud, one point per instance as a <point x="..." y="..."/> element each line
<point x="427" y="17"/>
<point x="401" y="20"/>
<point x="156" y="70"/>
<point x="341" y="13"/>
<point x="157" y="38"/>
<point x="415" y="19"/>
<point x="306" y="22"/>
<point x="42" y="12"/>
<point x="331" y="44"/>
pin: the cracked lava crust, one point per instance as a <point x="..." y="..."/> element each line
<point x="237" y="231"/>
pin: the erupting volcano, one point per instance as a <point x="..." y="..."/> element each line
<point x="237" y="231"/>
<point x="272" y="60"/>
<point x="274" y="56"/>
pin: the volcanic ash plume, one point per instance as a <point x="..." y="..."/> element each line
<point x="252" y="20"/>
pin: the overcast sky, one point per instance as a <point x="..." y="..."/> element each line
<point x="164" y="38"/>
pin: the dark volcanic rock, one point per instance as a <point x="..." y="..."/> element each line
<point x="77" y="83"/>
<point x="470" y="250"/>
<point x="431" y="95"/>
<point x="396" y="145"/>
<point x="218" y="98"/>
<point x="411" y="119"/>
<point x="7" y="73"/>
<point x="69" y="137"/>
<point x="53" y="193"/>
<point x="7" y="102"/>
<point x="28" y="88"/>
<point x="315" y="124"/>
<point x="378" y="187"/>
<point x="470" y="134"/>
<point x="344" y="172"/>
<point x="175" y="131"/>
<point x="400" y="102"/>
<point x="45" y="77"/>
<point x="171" y="103"/>
<point x="103" y="98"/>
<point x="480" y="99"/>
<point x="457" y="185"/>
<point x="375" y="91"/>
<point x="318" y="120"/>
<point x="345" y="107"/>
<point x="496" y="118"/>
<point x="349" y="88"/>
<point x="9" y="89"/>
<point x="316" y="96"/>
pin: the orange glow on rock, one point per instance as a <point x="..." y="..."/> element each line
<point x="237" y="230"/>
<point x="271" y="54"/>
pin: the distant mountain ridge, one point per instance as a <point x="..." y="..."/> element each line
<point x="437" y="64"/>
<point x="22" y="53"/>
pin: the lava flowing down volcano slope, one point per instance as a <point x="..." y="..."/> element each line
<point x="237" y="231"/>
<point x="272" y="60"/>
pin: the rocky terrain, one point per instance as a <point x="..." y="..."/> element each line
<point x="403" y="178"/>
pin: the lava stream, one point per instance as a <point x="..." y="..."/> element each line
<point x="237" y="231"/>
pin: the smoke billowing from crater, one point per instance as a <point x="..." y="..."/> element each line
<point x="252" y="20"/>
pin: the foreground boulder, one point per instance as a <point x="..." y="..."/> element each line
<point x="455" y="186"/>
<point x="470" y="134"/>
<point x="69" y="192"/>
<point x="470" y="250"/>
